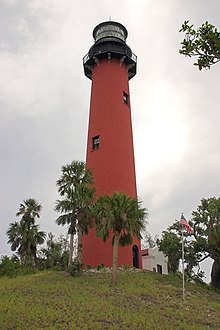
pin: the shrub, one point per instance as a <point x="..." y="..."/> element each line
<point x="9" y="266"/>
<point x="193" y="277"/>
<point x="75" y="268"/>
<point x="100" y="266"/>
<point x="27" y="270"/>
<point x="126" y="267"/>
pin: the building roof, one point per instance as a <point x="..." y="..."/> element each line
<point x="145" y="252"/>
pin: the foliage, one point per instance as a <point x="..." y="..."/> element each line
<point x="75" y="188"/>
<point x="126" y="267"/>
<point x="204" y="243"/>
<point x="122" y="216"/>
<point x="29" y="209"/>
<point x="100" y="266"/>
<point x="75" y="268"/>
<point x="24" y="235"/>
<point x="147" y="240"/>
<point x="194" y="277"/>
<point x="206" y="224"/>
<point x="170" y="244"/>
<point x="55" y="254"/>
<point x="11" y="267"/>
<point x="203" y="43"/>
<point x="142" y="300"/>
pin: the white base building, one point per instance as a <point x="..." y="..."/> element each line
<point x="154" y="260"/>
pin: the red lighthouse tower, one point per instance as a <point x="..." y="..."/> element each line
<point x="110" y="64"/>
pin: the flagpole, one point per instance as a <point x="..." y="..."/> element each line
<point x="183" y="222"/>
<point x="183" y="265"/>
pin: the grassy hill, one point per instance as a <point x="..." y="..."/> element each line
<point x="141" y="300"/>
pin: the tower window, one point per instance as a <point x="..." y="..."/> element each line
<point x="125" y="98"/>
<point x="95" y="142"/>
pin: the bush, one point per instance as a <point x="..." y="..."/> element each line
<point x="127" y="267"/>
<point x="100" y="266"/>
<point x="11" y="267"/>
<point x="75" y="268"/>
<point x="27" y="270"/>
<point x="195" y="277"/>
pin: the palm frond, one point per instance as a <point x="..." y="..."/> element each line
<point x="121" y="214"/>
<point x="75" y="186"/>
<point x="126" y="239"/>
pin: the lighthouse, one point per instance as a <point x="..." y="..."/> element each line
<point x="110" y="64"/>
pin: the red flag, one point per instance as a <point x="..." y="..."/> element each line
<point x="186" y="224"/>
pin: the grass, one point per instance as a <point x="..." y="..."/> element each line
<point x="141" y="300"/>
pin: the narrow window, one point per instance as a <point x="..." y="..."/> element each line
<point x="125" y="98"/>
<point x="95" y="142"/>
<point x="135" y="256"/>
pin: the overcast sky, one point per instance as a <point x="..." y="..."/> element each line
<point x="44" y="104"/>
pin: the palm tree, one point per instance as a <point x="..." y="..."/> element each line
<point x="14" y="234"/>
<point x="121" y="215"/>
<point x="68" y="218"/>
<point x="75" y="186"/>
<point x="24" y="235"/>
<point x="36" y="237"/>
<point x="29" y="209"/>
<point x="84" y="200"/>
